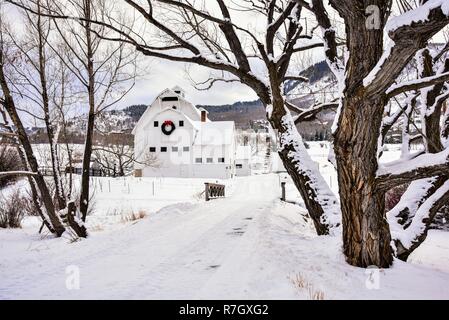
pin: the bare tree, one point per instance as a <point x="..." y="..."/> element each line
<point x="39" y="81"/>
<point x="9" y="105"/>
<point x="105" y="71"/>
<point x="115" y="155"/>
<point x="39" y="94"/>
<point x="220" y="47"/>
<point x="209" y="36"/>
<point x="411" y="218"/>
<point x="369" y="83"/>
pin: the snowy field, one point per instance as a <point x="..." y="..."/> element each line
<point x="249" y="245"/>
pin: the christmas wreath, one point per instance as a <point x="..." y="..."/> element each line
<point x="168" y="127"/>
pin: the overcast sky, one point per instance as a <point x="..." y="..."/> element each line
<point x="165" y="74"/>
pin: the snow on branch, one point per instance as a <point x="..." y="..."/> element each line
<point x="417" y="84"/>
<point x="420" y="14"/>
<point x="310" y="114"/>
<point x="17" y="173"/>
<point x="292" y="143"/>
<point x="409" y="203"/>
<point x="329" y="37"/>
<point x="274" y="26"/>
<point x="419" y="225"/>
<point x="424" y="166"/>
<point x="408" y="33"/>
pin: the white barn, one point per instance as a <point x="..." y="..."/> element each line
<point x="182" y="141"/>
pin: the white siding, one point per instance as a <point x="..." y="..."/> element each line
<point x="204" y="139"/>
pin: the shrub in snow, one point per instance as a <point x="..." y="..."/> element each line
<point x="9" y="161"/>
<point x="12" y="210"/>
<point x="133" y="216"/>
<point x="393" y="196"/>
<point x="302" y="284"/>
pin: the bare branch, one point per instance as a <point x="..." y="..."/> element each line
<point x="417" y="84"/>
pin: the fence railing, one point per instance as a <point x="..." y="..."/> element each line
<point x="93" y="172"/>
<point x="214" y="191"/>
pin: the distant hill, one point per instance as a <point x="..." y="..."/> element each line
<point x="246" y="114"/>
<point x="317" y="72"/>
<point x="135" y="111"/>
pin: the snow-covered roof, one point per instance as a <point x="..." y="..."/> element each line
<point x="207" y="133"/>
<point x="243" y="153"/>
<point x="202" y="109"/>
<point x="214" y="132"/>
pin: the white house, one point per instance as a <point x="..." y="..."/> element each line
<point x="243" y="161"/>
<point x="181" y="141"/>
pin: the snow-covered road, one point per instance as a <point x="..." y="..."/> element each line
<point x="176" y="253"/>
<point x="246" y="246"/>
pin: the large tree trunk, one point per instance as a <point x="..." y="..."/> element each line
<point x="366" y="234"/>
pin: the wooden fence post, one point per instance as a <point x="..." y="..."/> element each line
<point x="283" y="191"/>
<point x="207" y="191"/>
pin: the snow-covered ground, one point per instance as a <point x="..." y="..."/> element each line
<point x="249" y="245"/>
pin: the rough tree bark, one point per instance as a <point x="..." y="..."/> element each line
<point x="370" y="72"/>
<point x="366" y="234"/>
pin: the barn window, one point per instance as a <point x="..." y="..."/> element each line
<point x="198" y="160"/>
<point x="174" y="149"/>
<point x="186" y="149"/>
<point x="221" y="160"/>
<point x="210" y="160"/>
<point x="163" y="149"/>
<point x="152" y="149"/>
<point x="181" y="123"/>
<point x="170" y="99"/>
<point x="156" y="123"/>
<point x="239" y="166"/>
